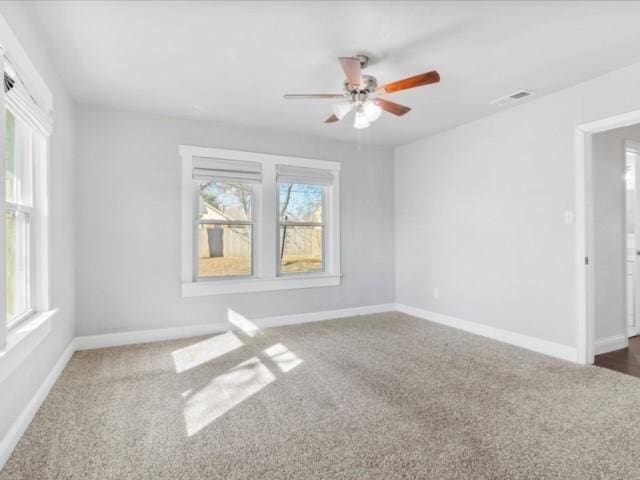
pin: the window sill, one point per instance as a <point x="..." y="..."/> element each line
<point x="22" y="339"/>
<point x="221" y="287"/>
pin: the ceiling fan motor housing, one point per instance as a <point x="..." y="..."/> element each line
<point x="368" y="86"/>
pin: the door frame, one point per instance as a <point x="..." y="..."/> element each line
<point x="634" y="146"/>
<point x="585" y="298"/>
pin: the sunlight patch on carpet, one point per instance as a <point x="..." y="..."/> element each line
<point x="202" y="352"/>
<point x="284" y="358"/>
<point x="234" y="386"/>
<point x="225" y="392"/>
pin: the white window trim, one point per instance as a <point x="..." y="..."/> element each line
<point x="265" y="215"/>
<point x="4" y="327"/>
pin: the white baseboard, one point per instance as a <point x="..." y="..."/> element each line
<point x="324" y="315"/>
<point x="553" y="349"/>
<point x="11" y="439"/>
<point x="91" y="342"/>
<point x="609" y="344"/>
<point x="145" y="336"/>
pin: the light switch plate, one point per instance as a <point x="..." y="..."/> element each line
<point x="568" y="217"/>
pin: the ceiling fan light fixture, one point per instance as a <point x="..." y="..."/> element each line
<point x="340" y="109"/>
<point x="361" y="120"/>
<point x="372" y="111"/>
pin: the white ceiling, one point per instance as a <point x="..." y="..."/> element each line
<point x="232" y="61"/>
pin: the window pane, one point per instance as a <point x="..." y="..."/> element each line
<point x="225" y="201"/>
<point x="301" y="249"/>
<point x="225" y="250"/>
<point x="300" y="203"/>
<point x="17" y="225"/>
<point x="10" y="158"/>
<point x="18" y="161"/>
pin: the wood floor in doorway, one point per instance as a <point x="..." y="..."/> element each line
<point x="625" y="360"/>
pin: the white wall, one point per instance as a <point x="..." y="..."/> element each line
<point x="128" y="221"/>
<point x="609" y="231"/>
<point x="17" y="389"/>
<point x="480" y="211"/>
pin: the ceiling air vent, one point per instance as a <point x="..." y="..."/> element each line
<point x="514" y="97"/>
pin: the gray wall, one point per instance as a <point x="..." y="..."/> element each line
<point x="128" y="223"/>
<point x="609" y="231"/>
<point x="480" y="212"/>
<point x="18" y="389"/>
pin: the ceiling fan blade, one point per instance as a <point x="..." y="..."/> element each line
<point x="313" y="96"/>
<point x="411" y="82"/>
<point x="332" y="119"/>
<point x="392" y="107"/>
<point x="352" y="69"/>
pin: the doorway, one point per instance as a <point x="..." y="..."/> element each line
<point x="589" y="273"/>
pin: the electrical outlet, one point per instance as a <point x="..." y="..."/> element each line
<point x="436" y="293"/>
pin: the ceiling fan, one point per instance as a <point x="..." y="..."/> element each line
<point x="362" y="93"/>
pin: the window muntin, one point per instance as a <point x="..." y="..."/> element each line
<point x="20" y="147"/>
<point x="224" y="228"/>
<point x="301" y="237"/>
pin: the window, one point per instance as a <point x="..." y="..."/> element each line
<point x="24" y="170"/>
<point x="258" y="222"/>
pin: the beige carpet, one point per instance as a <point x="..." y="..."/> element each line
<point x="379" y="397"/>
